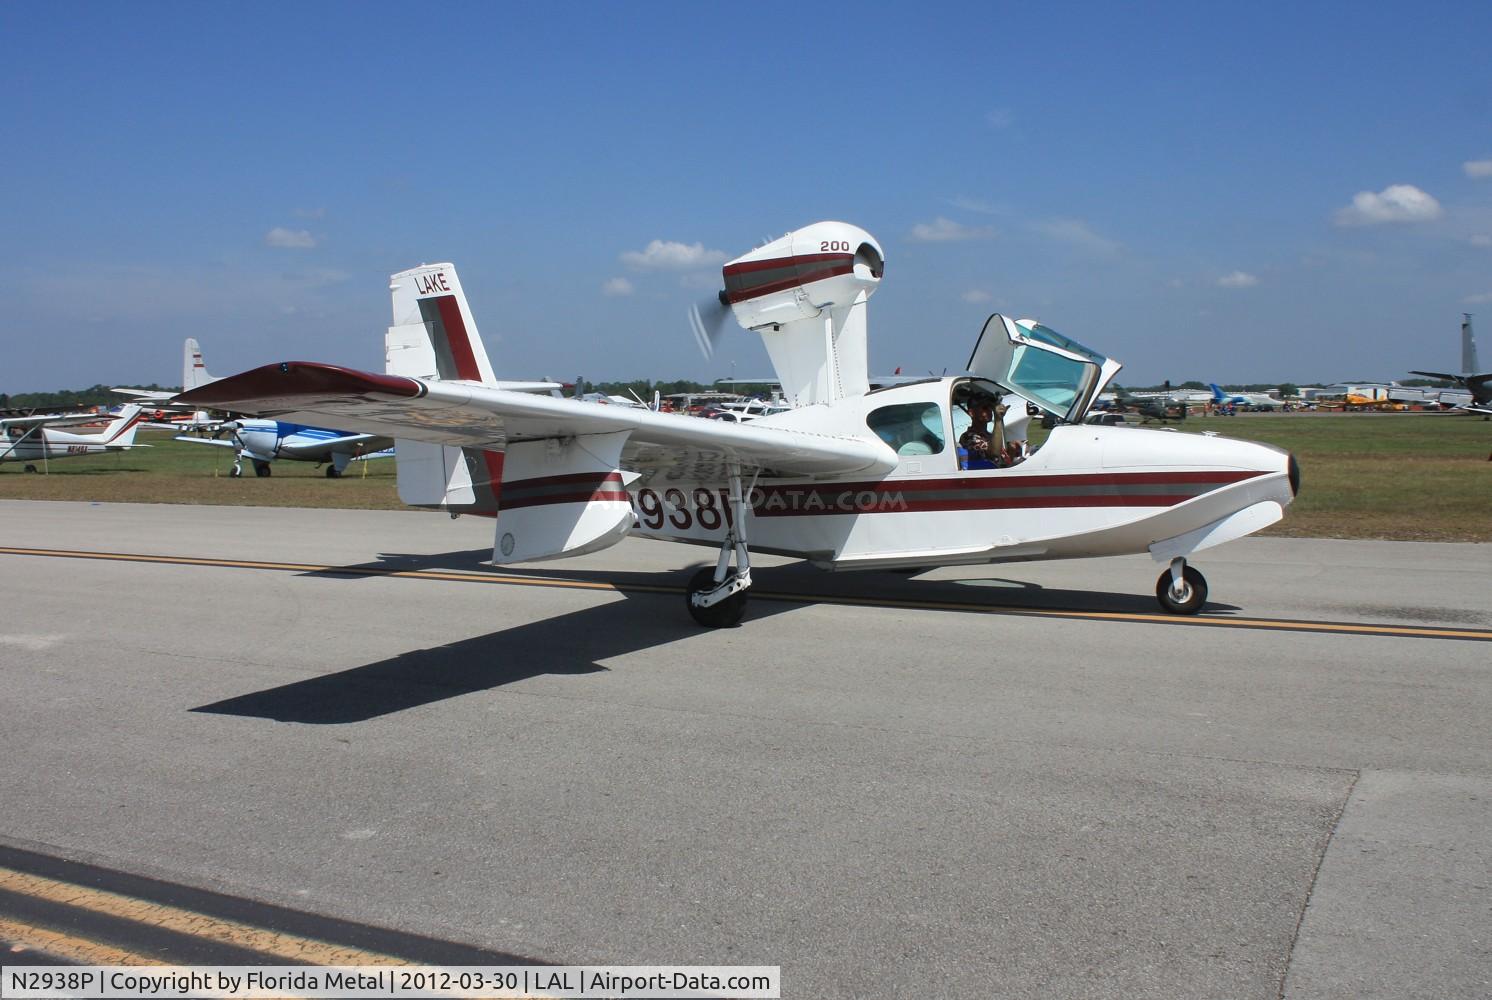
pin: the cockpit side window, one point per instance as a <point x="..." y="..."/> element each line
<point x="909" y="428"/>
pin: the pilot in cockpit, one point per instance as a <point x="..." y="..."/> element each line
<point x="983" y="445"/>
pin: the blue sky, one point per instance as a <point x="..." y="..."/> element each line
<point x="1255" y="193"/>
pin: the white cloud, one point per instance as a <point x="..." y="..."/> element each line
<point x="976" y="296"/>
<point x="1480" y="240"/>
<point x="1078" y="233"/>
<point x="974" y="205"/>
<point x="999" y="118"/>
<point x="616" y="286"/>
<point x="294" y="239"/>
<point x="1477" y="168"/>
<point x="1395" y="203"/>
<point x="1478" y="300"/>
<point x="1237" y="279"/>
<point x="667" y="255"/>
<point x="942" y="230"/>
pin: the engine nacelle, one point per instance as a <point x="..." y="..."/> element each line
<point x="805" y="294"/>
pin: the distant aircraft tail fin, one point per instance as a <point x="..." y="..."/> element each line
<point x="120" y="432"/>
<point x="1469" y="364"/>
<point x="193" y="371"/>
<point x="1217" y="394"/>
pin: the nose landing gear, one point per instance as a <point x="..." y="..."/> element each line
<point x="1181" y="590"/>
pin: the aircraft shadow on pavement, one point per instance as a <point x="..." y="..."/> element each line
<point x="571" y="643"/>
<point x="800" y="582"/>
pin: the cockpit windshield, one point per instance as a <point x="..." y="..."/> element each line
<point x="1055" y="372"/>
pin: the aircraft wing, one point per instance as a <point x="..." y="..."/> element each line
<point x="470" y="415"/>
<point x="193" y="439"/>
<point x="50" y="420"/>
<point x="317" y="451"/>
<point x="1458" y="379"/>
<point x="144" y="395"/>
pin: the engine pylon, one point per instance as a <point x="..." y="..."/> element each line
<point x="805" y="294"/>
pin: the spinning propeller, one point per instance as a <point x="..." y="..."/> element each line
<point x="707" y="319"/>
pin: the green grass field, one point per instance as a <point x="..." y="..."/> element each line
<point x="1406" y="476"/>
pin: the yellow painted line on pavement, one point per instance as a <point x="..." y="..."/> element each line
<point x="1202" y="621"/>
<point x="55" y="944"/>
<point x="291" y="948"/>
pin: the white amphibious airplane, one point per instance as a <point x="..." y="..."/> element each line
<point x="849" y="478"/>
<point x="35" y="439"/>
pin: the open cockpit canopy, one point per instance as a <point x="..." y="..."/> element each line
<point x="1059" y="375"/>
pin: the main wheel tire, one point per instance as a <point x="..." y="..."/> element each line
<point x="726" y="614"/>
<point x="1192" y="597"/>
<point x="30" y="468"/>
<point x="261" y="469"/>
<point x="332" y="473"/>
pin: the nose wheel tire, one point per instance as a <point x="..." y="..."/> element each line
<point x="726" y="614"/>
<point x="1188" y="598"/>
<point x="236" y="472"/>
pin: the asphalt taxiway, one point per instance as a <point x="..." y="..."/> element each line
<point x="1010" y="781"/>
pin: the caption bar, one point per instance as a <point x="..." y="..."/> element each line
<point x="45" y="982"/>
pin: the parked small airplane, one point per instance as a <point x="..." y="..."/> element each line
<point x="849" y="478"/>
<point x="1479" y="384"/>
<point x="34" y="439"/>
<point x="266" y="441"/>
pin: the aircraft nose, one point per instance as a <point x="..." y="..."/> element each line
<point x="1294" y="473"/>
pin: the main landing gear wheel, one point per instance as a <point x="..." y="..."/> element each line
<point x="332" y="473"/>
<point x="726" y="614"/>
<point x="261" y="469"/>
<point x="1185" y="597"/>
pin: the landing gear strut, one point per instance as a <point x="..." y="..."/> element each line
<point x="717" y="597"/>
<point x="1181" y="590"/>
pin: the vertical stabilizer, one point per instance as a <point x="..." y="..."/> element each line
<point x="193" y="370"/>
<point x="433" y="336"/>
<point x="1468" y="348"/>
<point x="120" y="432"/>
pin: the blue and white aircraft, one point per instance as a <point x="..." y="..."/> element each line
<point x="1247" y="400"/>
<point x="266" y="441"/>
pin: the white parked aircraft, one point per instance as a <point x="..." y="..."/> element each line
<point x="849" y="478"/>
<point x="36" y="439"/>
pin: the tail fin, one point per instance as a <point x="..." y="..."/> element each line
<point x="193" y="371"/>
<point x="434" y="335"/>
<point x="120" y="432"/>
<point x="1217" y="394"/>
<point x="1468" y="348"/>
